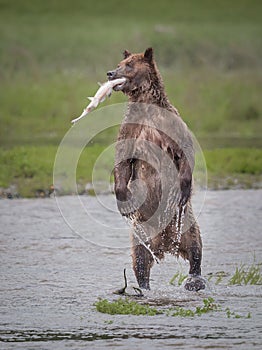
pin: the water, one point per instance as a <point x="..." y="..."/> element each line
<point x="180" y="214"/>
<point x="140" y="234"/>
<point x="51" y="277"/>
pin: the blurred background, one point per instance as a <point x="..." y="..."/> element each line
<point x="53" y="53"/>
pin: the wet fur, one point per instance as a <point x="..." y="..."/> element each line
<point x="144" y="84"/>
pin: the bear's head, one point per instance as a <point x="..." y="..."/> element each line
<point x="138" y="70"/>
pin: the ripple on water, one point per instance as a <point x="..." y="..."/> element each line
<point x="51" y="278"/>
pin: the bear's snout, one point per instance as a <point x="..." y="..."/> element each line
<point x="111" y="74"/>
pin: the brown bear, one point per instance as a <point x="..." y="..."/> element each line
<point x="153" y="172"/>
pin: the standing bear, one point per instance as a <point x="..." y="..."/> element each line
<point x="153" y="172"/>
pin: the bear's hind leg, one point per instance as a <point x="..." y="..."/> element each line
<point x="142" y="263"/>
<point x="191" y="249"/>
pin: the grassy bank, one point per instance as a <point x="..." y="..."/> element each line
<point x="53" y="53"/>
<point x="30" y="168"/>
<point x="213" y="104"/>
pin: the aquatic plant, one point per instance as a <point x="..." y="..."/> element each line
<point x="180" y="277"/>
<point x="209" y="305"/>
<point x="109" y="321"/>
<point x="243" y="275"/>
<point x="220" y="275"/>
<point x="129" y="307"/>
<point x="230" y="314"/>
<point x="125" y="307"/>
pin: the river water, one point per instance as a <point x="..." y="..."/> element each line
<point x="51" y="276"/>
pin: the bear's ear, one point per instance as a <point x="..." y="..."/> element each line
<point x="149" y="54"/>
<point x="126" y="54"/>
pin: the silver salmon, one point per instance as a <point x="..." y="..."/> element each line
<point x="104" y="91"/>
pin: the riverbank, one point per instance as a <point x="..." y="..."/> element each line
<point x="27" y="171"/>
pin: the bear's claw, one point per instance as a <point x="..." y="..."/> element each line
<point x="195" y="283"/>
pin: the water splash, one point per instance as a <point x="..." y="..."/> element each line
<point x="179" y="223"/>
<point x="139" y="233"/>
<point x="143" y="238"/>
<point x="173" y="198"/>
<point x="177" y="213"/>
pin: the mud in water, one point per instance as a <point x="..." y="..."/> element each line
<point x="51" y="277"/>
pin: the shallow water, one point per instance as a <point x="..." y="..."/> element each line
<point x="51" y="277"/>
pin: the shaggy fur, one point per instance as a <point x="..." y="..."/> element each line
<point x="151" y="123"/>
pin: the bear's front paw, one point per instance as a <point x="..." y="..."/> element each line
<point x="195" y="283"/>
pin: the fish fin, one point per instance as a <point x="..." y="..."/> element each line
<point x="103" y="99"/>
<point x="100" y="84"/>
<point x="90" y="98"/>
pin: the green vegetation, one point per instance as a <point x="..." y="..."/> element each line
<point x="31" y="167"/>
<point x="243" y="275"/>
<point x="53" y="53"/>
<point x="130" y="307"/>
<point x="218" y="275"/>
<point x="209" y="305"/>
<point x="247" y="275"/>
<point x="125" y="307"/>
<point x="178" y="278"/>
<point x="234" y="160"/>
<point x="230" y="314"/>
<point x="234" y="168"/>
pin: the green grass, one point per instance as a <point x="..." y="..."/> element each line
<point x="247" y="275"/>
<point x="131" y="307"/>
<point x="31" y="167"/>
<point x="125" y="307"/>
<point x="178" y="279"/>
<point x="243" y="275"/>
<point x="238" y="161"/>
<point x="39" y="111"/>
<point x="208" y="305"/>
<point x="220" y="275"/>
<point x="52" y="56"/>
<point x="53" y="53"/>
<point x="232" y="314"/>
